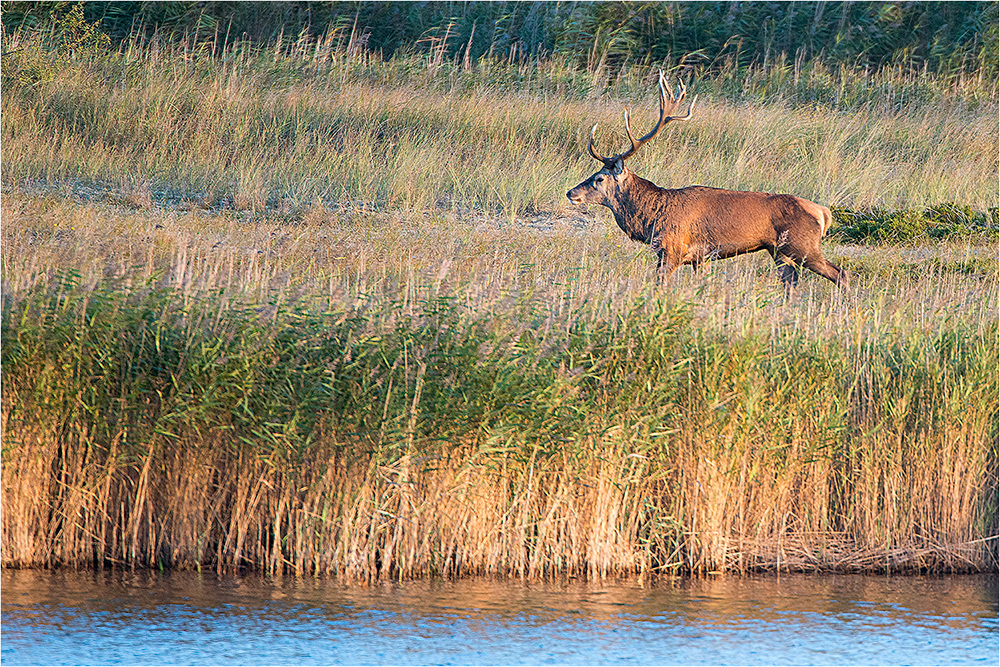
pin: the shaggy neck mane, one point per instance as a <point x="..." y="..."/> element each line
<point x="637" y="212"/>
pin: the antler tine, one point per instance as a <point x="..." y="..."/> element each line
<point x="686" y="116"/>
<point x="681" y="91"/>
<point x="592" y="149"/>
<point x="678" y="98"/>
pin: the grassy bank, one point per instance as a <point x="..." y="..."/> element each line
<point x="299" y="310"/>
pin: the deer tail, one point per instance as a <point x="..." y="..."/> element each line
<point x="826" y="222"/>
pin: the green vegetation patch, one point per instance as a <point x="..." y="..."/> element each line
<point x="948" y="221"/>
<point x="948" y="37"/>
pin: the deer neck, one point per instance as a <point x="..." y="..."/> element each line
<point x="634" y="207"/>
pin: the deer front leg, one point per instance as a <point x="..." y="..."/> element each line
<point x="667" y="262"/>
<point x="788" y="270"/>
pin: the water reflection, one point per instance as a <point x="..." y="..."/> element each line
<point x="190" y="618"/>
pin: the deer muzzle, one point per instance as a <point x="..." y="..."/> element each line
<point x="575" y="195"/>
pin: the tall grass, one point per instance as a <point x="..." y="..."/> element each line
<point x="427" y="441"/>
<point x="256" y="128"/>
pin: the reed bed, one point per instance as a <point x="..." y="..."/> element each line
<point x="299" y="311"/>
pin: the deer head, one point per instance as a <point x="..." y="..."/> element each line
<point x="606" y="184"/>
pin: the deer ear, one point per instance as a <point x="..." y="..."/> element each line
<point x="617" y="167"/>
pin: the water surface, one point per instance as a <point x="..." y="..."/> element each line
<point x="65" y="617"/>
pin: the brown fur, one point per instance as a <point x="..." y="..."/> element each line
<point x="697" y="223"/>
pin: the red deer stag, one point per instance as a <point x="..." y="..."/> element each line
<point x="697" y="223"/>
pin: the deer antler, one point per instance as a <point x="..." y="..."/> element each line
<point x="675" y="100"/>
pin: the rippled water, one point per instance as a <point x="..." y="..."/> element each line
<point x="189" y="618"/>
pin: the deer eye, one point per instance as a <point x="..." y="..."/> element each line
<point x="598" y="179"/>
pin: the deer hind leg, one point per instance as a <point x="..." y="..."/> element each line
<point x="828" y="270"/>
